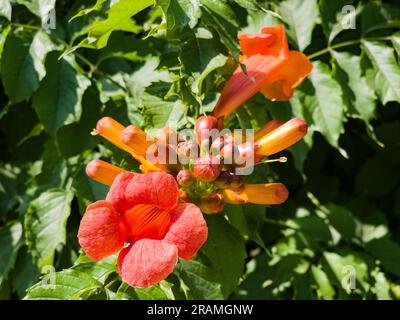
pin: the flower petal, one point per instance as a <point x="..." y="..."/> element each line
<point x="252" y="44"/>
<point x="287" y="77"/>
<point x="101" y="232"/>
<point x="260" y="66"/>
<point x="156" y="188"/>
<point x="188" y="230"/>
<point x="116" y="195"/>
<point x="102" y="172"/>
<point x="267" y="128"/>
<point x="111" y="130"/>
<point x="136" y="139"/>
<point x="147" y="221"/>
<point x="269" y="193"/>
<point x="281" y="138"/>
<point x="147" y="262"/>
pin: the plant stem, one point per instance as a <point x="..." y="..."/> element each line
<point x="27" y="26"/>
<point x="345" y="44"/>
<point x="276" y="222"/>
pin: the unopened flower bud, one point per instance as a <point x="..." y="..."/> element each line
<point x="207" y="168"/>
<point x="167" y="135"/>
<point x="228" y="153"/>
<point x="223" y="181"/>
<point x="185" y="178"/>
<point x="217" y="145"/>
<point x="212" y="203"/>
<point x="187" y="150"/>
<point x="203" y="126"/>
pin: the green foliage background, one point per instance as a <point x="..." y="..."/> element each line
<point x="167" y="64"/>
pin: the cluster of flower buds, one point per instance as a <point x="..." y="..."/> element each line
<point x="209" y="163"/>
<point x="211" y="166"/>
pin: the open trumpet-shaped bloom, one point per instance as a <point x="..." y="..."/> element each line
<point x="271" y="69"/>
<point x="143" y="211"/>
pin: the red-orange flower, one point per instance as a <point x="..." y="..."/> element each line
<point x="143" y="210"/>
<point x="271" y="68"/>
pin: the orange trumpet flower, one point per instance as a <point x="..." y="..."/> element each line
<point x="271" y="69"/>
<point x="269" y="193"/>
<point x="267" y="128"/>
<point x="103" y="172"/>
<point x="281" y="137"/>
<point x="112" y="130"/>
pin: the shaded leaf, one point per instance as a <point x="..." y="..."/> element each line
<point x="199" y="57"/>
<point x="45" y="223"/>
<point x="225" y="251"/>
<point x="201" y="281"/>
<point x="334" y="18"/>
<point x="10" y="241"/>
<point x="58" y="100"/>
<point x="180" y="13"/>
<point x="359" y="94"/>
<point x="22" y="63"/>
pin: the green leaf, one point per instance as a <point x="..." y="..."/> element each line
<point x="58" y="100"/>
<point x="89" y="191"/>
<point x="45" y="223"/>
<point x="25" y="273"/>
<point x="180" y="13"/>
<point x="396" y="42"/>
<point x="323" y="101"/>
<point x="333" y="17"/>
<point x="346" y="266"/>
<point x="75" y="138"/>
<point x="247" y="4"/>
<point x="99" y="5"/>
<point x="387" y="70"/>
<point x="8" y="189"/>
<point x="324" y="285"/>
<point x="22" y="63"/>
<point x="68" y="284"/>
<point x="342" y="220"/>
<point x="377" y="15"/>
<point x="118" y="19"/>
<point x="256" y="20"/>
<point x="220" y="16"/>
<point x="5" y="9"/>
<point x="199" y="57"/>
<point x="160" y="113"/>
<point x="225" y="251"/>
<point x="359" y="94"/>
<point x="387" y="252"/>
<point x="201" y="281"/>
<point x="126" y="292"/>
<point x="141" y="79"/>
<point x="376" y="177"/>
<point x="381" y="287"/>
<point x="99" y="270"/>
<point x="3" y="36"/>
<point x="248" y="219"/>
<point x="41" y="8"/>
<point x="312" y="225"/>
<point x="10" y="242"/>
<point x="300" y="17"/>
